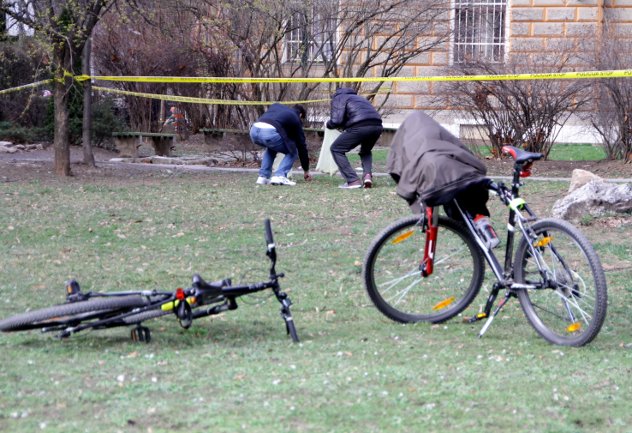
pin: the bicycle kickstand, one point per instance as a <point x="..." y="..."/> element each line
<point x="490" y="319"/>
<point x="488" y="306"/>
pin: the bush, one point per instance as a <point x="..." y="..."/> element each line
<point x="20" y="134"/>
<point x="19" y="65"/>
<point x="106" y="118"/>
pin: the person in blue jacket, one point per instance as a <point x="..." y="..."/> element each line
<point x="280" y="130"/>
<point x="362" y="126"/>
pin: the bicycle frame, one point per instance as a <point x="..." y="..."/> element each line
<point x="184" y="303"/>
<point x="519" y="215"/>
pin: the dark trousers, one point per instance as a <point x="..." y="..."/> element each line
<point x="364" y="136"/>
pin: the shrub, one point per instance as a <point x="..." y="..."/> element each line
<point x="106" y="118"/>
<point x="20" y="134"/>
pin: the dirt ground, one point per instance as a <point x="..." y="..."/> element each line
<point x="35" y="164"/>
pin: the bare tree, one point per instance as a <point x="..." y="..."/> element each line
<point x="611" y="113"/>
<point x="62" y="28"/>
<point x="150" y="41"/>
<point x="523" y="113"/>
<point x="281" y="39"/>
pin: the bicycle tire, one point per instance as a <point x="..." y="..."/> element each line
<point x="571" y="310"/>
<point x="71" y="313"/>
<point x="291" y="330"/>
<point x="392" y="268"/>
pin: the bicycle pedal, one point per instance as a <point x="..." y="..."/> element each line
<point x="476" y="318"/>
<point x="141" y="333"/>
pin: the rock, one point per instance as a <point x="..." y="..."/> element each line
<point x="581" y="177"/>
<point x="596" y="198"/>
<point x="7" y="147"/>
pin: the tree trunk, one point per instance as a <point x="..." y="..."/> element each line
<point x="88" y="155"/>
<point x="60" y="142"/>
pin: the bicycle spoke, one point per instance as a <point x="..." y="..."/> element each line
<point x="393" y="276"/>
<point x="386" y="286"/>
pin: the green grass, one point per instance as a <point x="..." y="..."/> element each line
<point x="576" y="152"/>
<point x="354" y="371"/>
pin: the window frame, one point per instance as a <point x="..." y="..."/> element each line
<point x="483" y="50"/>
<point x="296" y="37"/>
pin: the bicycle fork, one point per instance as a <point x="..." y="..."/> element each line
<point x="430" y="226"/>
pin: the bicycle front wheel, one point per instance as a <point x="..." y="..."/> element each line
<point x="70" y="314"/>
<point x="393" y="279"/>
<point x="567" y="304"/>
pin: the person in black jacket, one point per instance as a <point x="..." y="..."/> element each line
<point x="280" y="130"/>
<point x="361" y="125"/>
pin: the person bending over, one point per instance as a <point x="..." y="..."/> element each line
<point x="279" y="130"/>
<point x="362" y="126"/>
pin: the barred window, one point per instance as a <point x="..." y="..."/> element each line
<point x="12" y="27"/>
<point x="479" y="30"/>
<point x="311" y="36"/>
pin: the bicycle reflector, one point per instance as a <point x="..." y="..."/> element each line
<point x="574" y="327"/>
<point x="403" y="237"/>
<point x="543" y="242"/>
<point x="526" y="169"/>
<point x="441" y="305"/>
<point x="180" y="296"/>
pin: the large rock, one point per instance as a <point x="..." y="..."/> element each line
<point x="581" y="177"/>
<point x="596" y="198"/>
<point x="7" y="147"/>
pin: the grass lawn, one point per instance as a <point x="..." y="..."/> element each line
<point x="354" y="371"/>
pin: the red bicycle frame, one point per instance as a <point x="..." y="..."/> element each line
<point x="430" y="226"/>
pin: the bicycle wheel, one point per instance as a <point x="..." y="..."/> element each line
<point x="568" y="304"/>
<point x="70" y="314"/>
<point x="393" y="279"/>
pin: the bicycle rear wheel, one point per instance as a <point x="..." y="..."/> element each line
<point x="393" y="278"/>
<point x="71" y="314"/>
<point x="568" y="305"/>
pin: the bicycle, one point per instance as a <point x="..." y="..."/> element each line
<point x="430" y="268"/>
<point x="94" y="310"/>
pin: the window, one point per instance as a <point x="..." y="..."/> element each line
<point x="16" y="28"/>
<point x="479" y="30"/>
<point x="311" y="36"/>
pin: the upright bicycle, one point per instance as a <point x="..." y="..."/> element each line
<point x="429" y="268"/>
<point x="95" y="310"/>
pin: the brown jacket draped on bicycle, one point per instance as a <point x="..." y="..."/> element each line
<point x="430" y="164"/>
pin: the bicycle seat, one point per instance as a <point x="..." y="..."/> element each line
<point x="521" y="156"/>
<point x="214" y="286"/>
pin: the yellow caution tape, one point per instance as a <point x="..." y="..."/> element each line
<point x="194" y="100"/>
<point x="619" y="73"/>
<point x="26" y="86"/>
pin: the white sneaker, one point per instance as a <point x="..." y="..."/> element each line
<point x="263" y="180"/>
<point x="281" y="180"/>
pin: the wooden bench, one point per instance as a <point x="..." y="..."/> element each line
<point x="211" y="134"/>
<point x="127" y="143"/>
